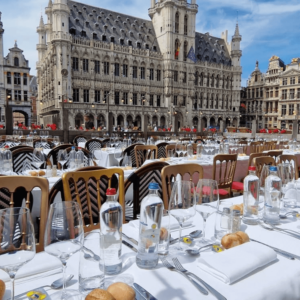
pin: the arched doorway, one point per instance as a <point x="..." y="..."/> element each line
<point x="154" y="121"/>
<point x="195" y="122"/>
<point x="78" y="121"/>
<point x="227" y="122"/>
<point x="129" y="121"/>
<point x="89" y="121"/>
<point x="162" y="122"/>
<point x="219" y="122"/>
<point x="234" y="122"/>
<point x="212" y="121"/>
<point x="138" y="121"/>
<point x="204" y="122"/>
<point x="120" y="121"/>
<point x="20" y="117"/>
<point x="179" y="120"/>
<point x="101" y="121"/>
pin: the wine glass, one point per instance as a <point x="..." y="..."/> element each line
<point x="118" y="154"/>
<point x="17" y="238"/>
<point x="62" y="158"/>
<point x="64" y="237"/>
<point x="178" y="149"/>
<point x="207" y="191"/>
<point x="38" y="158"/>
<point x="182" y="203"/>
<point x="184" y="150"/>
<point x="56" y="141"/>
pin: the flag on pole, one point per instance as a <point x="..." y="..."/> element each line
<point x="177" y="52"/>
<point x="191" y="55"/>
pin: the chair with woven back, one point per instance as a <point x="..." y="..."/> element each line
<point x="259" y="163"/>
<point x="79" y="139"/>
<point x="86" y="156"/>
<point x="144" y="152"/>
<point x="129" y="151"/>
<point x="85" y="188"/>
<point x="53" y="155"/>
<point x="161" y="152"/>
<point x="93" y="144"/>
<point x="292" y="159"/>
<point x="17" y="147"/>
<point x="139" y="181"/>
<point x="226" y="164"/>
<point x="275" y="154"/>
<point x="186" y="171"/>
<point x="44" y="145"/>
<point x="17" y="191"/>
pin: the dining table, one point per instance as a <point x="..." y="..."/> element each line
<point x="278" y="280"/>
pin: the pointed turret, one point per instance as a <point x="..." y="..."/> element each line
<point x="50" y="3"/>
<point x="16" y="44"/>
<point x="41" y="22"/>
<point x="237" y="31"/>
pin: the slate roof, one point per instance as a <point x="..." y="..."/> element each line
<point x="111" y="24"/>
<point x="211" y="49"/>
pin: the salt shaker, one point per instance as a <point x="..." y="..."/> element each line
<point x="235" y="221"/>
<point x="226" y="219"/>
<point x="48" y="172"/>
<point x="54" y="171"/>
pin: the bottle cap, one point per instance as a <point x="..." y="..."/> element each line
<point x="226" y="210"/>
<point x="73" y="148"/>
<point x="6" y="147"/>
<point x="153" y="186"/>
<point x="111" y="192"/>
<point x="272" y="168"/>
<point x="236" y="213"/>
<point x="252" y="168"/>
<point x="79" y="148"/>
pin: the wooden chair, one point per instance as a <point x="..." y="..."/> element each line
<point x="93" y="144"/>
<point x="243" y="144"/>
<point x="90" y="205"/>
<point x="275" y="154"/>
<point x="143" y="152"/>
<point x="254" y="147"/>
<point x="79" y="139"/>
<point x="225" y="174"/>
<point x="161" y="152"/>
<point x="171" y="147"/>
<point x="269" y="146"/>
<point x="140" y="180"/>
<point x="169" y="173"/>
<point x="52" y="156"/>
<point x="259" y="162"/>
<point x="14" y="184"/>
<point x="254" y="155"/>
<point x="290" y="159"/>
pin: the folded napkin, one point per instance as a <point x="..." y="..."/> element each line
<point x="233" y="264"/>
<point x="42" y="265"/>
<point x="164" y="223"/>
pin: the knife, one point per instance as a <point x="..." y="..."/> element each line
<point x="279" y="251"/>
<point x="130" y="239"/>
<point x="129" y="245"/>
<point x="143" y="292"/>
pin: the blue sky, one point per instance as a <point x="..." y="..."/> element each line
<point x="268" y="27"/>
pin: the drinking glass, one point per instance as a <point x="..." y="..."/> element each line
<point x="56" y="141"/>
<point x="44" y="142"/>
<point x="62" y="158"/>
<point x="9" y="141"/>
<point x="178" y="149"/>
<point x="118" y="154"/>
<point x="127" y="161"/>
<point x="46" y="134"/>
<point x="29" y="141"/>
<point x="289" y="188"/>
<point x="17" y="238"/>
<point x="207" y="192"/>
<point x="182" y="203"/>
<point x="64" y="237"/>
<point x="38" y="158"/>
<point x="184" y="150"/>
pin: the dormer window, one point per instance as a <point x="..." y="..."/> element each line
<point x="127" y="19"/>
<point x="95" y="37"/>
<point x="96" y="24"/>
<point x="91" y="15"/>
<point x="154" y="48"/>
<point x="16" y="61"/>
<point x="104" y="38"/>
<point x="138" y="45"/>
<point x="112" y="39"/>
<point x="94" y="10"/>
<point x="73" y="31"/>
<point x="107" y="18"/>
<point x="147" y="46"/>
<point x="129" y="43"/>
<point x="80" y="12"/>
<point x="87" y="23"/>
<point x="84" y="8"/>
<point x="118" y="17"/>
<point x="121" y="41"/>
<point x="83" y="33"/>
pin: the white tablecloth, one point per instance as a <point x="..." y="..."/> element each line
<point x="107" y="158"/>
<point x="279" y="281"/>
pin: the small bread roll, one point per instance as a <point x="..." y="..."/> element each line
<point x="244" y="236"/>
<point x="42" y="173"/>
<point x="98" y="294"/>
<point x="231" y="240"/>
<point x="2" y="289"/>
<point x="239" y="207"/>
<point x="163" y="234"/>
<point x="33" y="173"/>
<point x="162" y="159"/>
<point x="121" y="291"/>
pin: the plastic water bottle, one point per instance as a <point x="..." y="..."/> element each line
<point x="149" y="232"/>
<point x="190" y="150"/>
<point x="79" y="158"/>
<point x="72" y="159"/>
<point x="272" y="197"/>
<point x="7" y="160"/>
<point x="148" y="141"/>
<point x="251" y="198"/>
<point x="111" y="220"/>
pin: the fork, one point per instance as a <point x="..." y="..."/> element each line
<point x="287" y="232"/>
<point x="180" y="268"/>
<point x="196" y="284"/>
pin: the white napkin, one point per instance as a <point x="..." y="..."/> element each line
<point x="42" y="265"/>
<point x="164" y="223"/>
<point x="233" y="264"/>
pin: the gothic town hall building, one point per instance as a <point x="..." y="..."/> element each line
<point x="124" y="70"/>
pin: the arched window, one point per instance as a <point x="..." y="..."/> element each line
<point x="185" y="50"/>
<point x="201" y="100"/>
<point x="196" y="78"/>
<point x="201" y="79"/>
<point x="217" y="101"/>
<point x="177" y="22"/>
<point x="185" y="25"/>
<point x="177" y="45"/>
<point x="16" y="61"/>
<point x="217" y="81"/>
<point x="212" y="80"/>
<point x="207" y="84"/>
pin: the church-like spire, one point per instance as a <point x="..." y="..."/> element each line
<point x="41" y="22"/>
<point x="50" y="3"/>
<point x="237" y="31"/>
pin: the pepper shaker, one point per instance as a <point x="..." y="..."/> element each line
<point x="235" y="221"/>
<point x="54" y="171"/>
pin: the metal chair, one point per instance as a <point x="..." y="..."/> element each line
<point x="52" y="156"/>
<point x="79" y="139"/>
<point x="161" y="150"/>
<point x="93" y="144"/>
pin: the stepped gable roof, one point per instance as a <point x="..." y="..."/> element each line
<point x="111" y="24"/>
<point x="211" y="49"/>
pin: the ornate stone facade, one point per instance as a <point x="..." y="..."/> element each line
<point x="127" y="70"/>
<point x="274" y="96"/>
